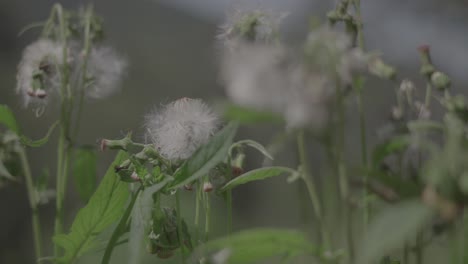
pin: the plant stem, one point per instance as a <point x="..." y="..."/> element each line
<point x="59" y="194"/>
<point x="342" y="175"/>
<point x="179" y="228"/>
<point x="63" y="150"/>
<point x="197" y="212"/>
<point x="207" y="215"/>
<point x="312" y="190"/>
<point x="32" y="203"/>
<point x="362" y="117"/>
<point x="229" y="197"/>
<point x="120" y="228"/>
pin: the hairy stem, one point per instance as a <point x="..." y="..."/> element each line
<point x="32" y="203"/>
<point x="120" y="229"/>
<point x="206" y="197"/>
<point x="197" y="212"/>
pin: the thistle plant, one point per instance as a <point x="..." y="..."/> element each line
<point x="407" y="192"/>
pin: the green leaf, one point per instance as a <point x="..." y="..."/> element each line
<point x="251" y="143"/>
<point x="389" y="147"/>
<point x="392" y="227"/>
<point x="37" y="143"/>
<point x="256" y="175"/>
<point x="250" y="116"/>
<point x="206" y="157"/>
<point x="105" y="207"/>
<point x="8" y="119"/>
<point x="84" y="172"/>
<point x="251" y="246"/>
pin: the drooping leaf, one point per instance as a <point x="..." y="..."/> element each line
<point x="389" y="147"/>
<point x="37" y="143"/>
<point x="104" y="208"/>
<point x="392" y="228"/>
<point x="251" y="143"/>
<point x="84" y="172"/>
<point x="206" y="157"/>
<point x="250" y="116"/>
<point x="7" y="118"/>
<point x="256" y="175"/>
<point x="251" y="246"/>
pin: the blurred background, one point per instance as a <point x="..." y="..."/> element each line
<point x="170" y="46"/>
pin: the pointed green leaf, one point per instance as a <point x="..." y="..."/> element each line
<point x="251" y="143"/>
<point x="392" y="227"/>
<point x="250" y="116"/>
<point x="256" y="175"/>
<point x="252" y="246"/>
<point x="206" y="157"/>
<point x="84" y="172"/>
<point x="8" y="119"/>
<point x="105" y="207"/>
<point x="37" y="143"/>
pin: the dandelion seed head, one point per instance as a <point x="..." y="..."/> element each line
<point x="181" y="127"/>
<point x="266" y="77"/>
<point x="38" y="77"/>
<point x="255" y="76"/>
<point x="254" y="26"/>
<point x="105" y="71"/>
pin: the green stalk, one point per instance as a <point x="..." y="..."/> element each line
<point x="207" y="215"/>
<point x="120" y="229"/>
<point x="229" y="197"/>
<point x="312" y="190"/>
<point x="197" y="212"/>
<point x="179" y="228"/>
<point x="342" y="175"/>
<point x="427" y="99"/>
<point x="84" y="67"/>
<point x="62" y="151"/>
<point x="362" y="118"/>
<point x="32" y="203"/>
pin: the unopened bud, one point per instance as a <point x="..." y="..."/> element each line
<point x="134" y="176"/>
<point x="380" y="69"/>
<point x="188" y="187"/>
<point x="116" y="144"/>
<point x="426" y="64"/>
<point x="207" y="187"/>
<point x="440" y="80"/>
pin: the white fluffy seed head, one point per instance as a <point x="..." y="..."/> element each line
<point x="105" y="70"/>
<point x="255" y="26"/>
<point x="38" y="77"/>
<point x="181" y="127"/>
<point x="266" y="77"/>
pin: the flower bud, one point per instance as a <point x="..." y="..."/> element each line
<point x="382" y="70"/>
<point x="207" y="187"/>
<point x="440" y="80"/>
<point x="426" y="64"/>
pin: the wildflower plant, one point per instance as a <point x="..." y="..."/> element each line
<point x="407" y="192"/>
